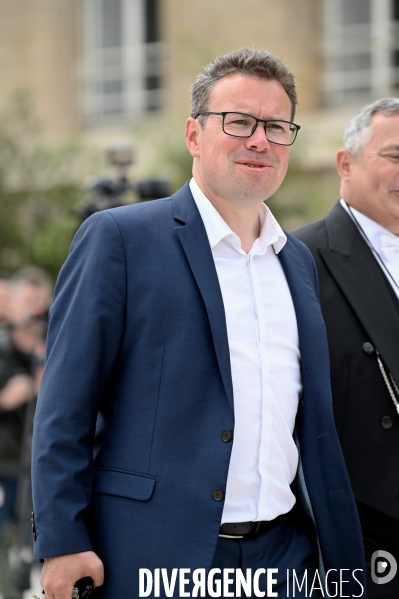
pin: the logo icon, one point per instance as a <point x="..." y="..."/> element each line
<point x="383" y="567"/>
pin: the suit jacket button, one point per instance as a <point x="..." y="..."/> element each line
<point x="386" y="422"/>
<point x="227" y="436"/>
<point x="368" y="348"/>
<point x="217" y="494"/>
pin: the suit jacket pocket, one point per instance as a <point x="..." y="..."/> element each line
<point x="124" y="484"/>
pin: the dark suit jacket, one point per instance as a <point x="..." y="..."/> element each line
<point x="359" y="306"/>
<point x="138" y="335"/>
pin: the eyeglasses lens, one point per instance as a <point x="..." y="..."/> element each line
<point x="241" y="125"/>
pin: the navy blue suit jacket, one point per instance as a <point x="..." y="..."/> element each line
<point x="137" y="389"/>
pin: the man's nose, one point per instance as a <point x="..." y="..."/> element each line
<point x="258" y="139"/>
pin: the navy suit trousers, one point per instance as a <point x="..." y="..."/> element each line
<point x="289" y="547"/>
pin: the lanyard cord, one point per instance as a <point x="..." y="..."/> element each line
<point x="370" y="245"/>
<point x="389" y="381"/>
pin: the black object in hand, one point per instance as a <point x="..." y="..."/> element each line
<point x="83" y="588"/>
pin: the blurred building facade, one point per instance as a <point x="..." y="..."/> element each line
<point x="92" y="62"/>
<point x="360" y="40"/>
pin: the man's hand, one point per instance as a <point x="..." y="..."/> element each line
<point x="16" y="392"/>
<point x="60" y="573"/>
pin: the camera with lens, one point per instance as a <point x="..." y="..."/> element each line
<point x="103" y="192"/>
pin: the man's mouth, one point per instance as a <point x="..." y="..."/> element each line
<point x="259" y="165"/>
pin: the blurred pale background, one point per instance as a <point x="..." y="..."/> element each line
<point x="78" y="74"/>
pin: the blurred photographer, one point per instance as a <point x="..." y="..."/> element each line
<point x="4" y="297"/>
<point x="22" y="346"/>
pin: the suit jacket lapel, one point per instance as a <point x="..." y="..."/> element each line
<point x="193" y="237"/>
<point x="361" y="279"/>
<point x="307" y="309"/>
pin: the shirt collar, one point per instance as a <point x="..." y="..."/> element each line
<point x="372" y="229"/>
<point x="217" y="229"/>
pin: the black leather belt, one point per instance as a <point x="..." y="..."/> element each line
<point x="244" y="530"/>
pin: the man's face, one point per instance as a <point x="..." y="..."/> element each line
<point x="4" y="299"/>
<point x="28" y="301"/>
<point x="370" y="181"/>
<point x="244" y="171"/>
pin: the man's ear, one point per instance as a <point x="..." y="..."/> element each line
<point x="344" y="162"/>
<point x="193" y="136"/>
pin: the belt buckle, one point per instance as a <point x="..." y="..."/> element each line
<point x="245" y="535"/>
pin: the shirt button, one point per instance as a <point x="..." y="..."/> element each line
<point x="368" y="348"/>
<point x="386" y="422"/>
<point x="217" y="494"/>
<point x="227" y="436"/>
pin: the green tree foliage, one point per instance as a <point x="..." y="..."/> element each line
<point x="40" y="183"/>
<point x="38" y="191"/>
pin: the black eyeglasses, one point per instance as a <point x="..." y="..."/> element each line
<point x="239" y="124"/>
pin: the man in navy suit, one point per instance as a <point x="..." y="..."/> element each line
<point x="184" y="426"/>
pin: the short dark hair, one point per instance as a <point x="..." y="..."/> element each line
<point x="248" y="61"/>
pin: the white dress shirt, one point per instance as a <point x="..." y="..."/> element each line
<point x="265" y="365"/>
<point x="385" y="243"/>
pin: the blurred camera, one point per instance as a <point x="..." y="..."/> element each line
<point x="103" y="192"/>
